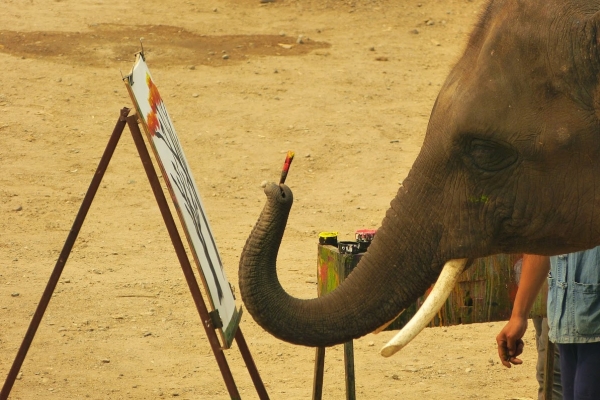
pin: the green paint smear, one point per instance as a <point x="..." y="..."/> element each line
<point x="482" y="199"/>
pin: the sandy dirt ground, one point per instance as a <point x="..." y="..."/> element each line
<point x="352" y="101"/>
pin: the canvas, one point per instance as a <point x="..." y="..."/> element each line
<point x="167" y="149"/>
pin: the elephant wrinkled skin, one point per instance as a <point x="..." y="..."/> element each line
<point x="510" y="163"/>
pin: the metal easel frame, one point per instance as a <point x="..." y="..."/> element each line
<point x="132" y="122"/>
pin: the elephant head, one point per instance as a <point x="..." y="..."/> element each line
<point x="510" y="163"/>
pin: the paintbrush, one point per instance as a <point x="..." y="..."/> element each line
<point x="286" y="166"/>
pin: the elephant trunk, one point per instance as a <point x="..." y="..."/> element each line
<point x="389" y="277"/>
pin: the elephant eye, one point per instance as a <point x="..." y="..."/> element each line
<point x="490" y="155"/>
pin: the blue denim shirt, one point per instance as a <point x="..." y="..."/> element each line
<point x="574" y="297"/>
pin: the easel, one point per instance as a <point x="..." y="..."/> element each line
<point x="206" y="319"/>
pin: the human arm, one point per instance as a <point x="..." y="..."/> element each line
<point x="533" y="274"/>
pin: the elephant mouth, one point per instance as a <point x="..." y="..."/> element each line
<point x="432" y="305"/>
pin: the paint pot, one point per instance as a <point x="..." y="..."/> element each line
<point x="328" y="238"/>
<point x="364" y="238"/>
<point x="348" y="247"/>
<point x="365" y="235"/>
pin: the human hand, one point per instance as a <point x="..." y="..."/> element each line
<point x="509" y="341"/>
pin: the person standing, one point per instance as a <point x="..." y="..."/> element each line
<point x="573" y="318"/>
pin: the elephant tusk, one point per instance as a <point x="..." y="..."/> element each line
<point x="432" y="305"/>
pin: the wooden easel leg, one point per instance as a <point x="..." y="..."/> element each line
<point x="349" y="367"/>
<point x="64" y="255"/>
<point x="252" y="370"/>
<point x="184" y="261"/>
<point x="319" y="372"/>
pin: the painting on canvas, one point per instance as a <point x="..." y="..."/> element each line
<point x="182" y="187"/>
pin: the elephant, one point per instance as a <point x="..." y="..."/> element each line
<point x="510" y="163"/>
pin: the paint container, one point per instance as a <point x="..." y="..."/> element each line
<point x="328" y="238"/>
<point x="348" y="247"/>
<point x="364" y="238"/>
